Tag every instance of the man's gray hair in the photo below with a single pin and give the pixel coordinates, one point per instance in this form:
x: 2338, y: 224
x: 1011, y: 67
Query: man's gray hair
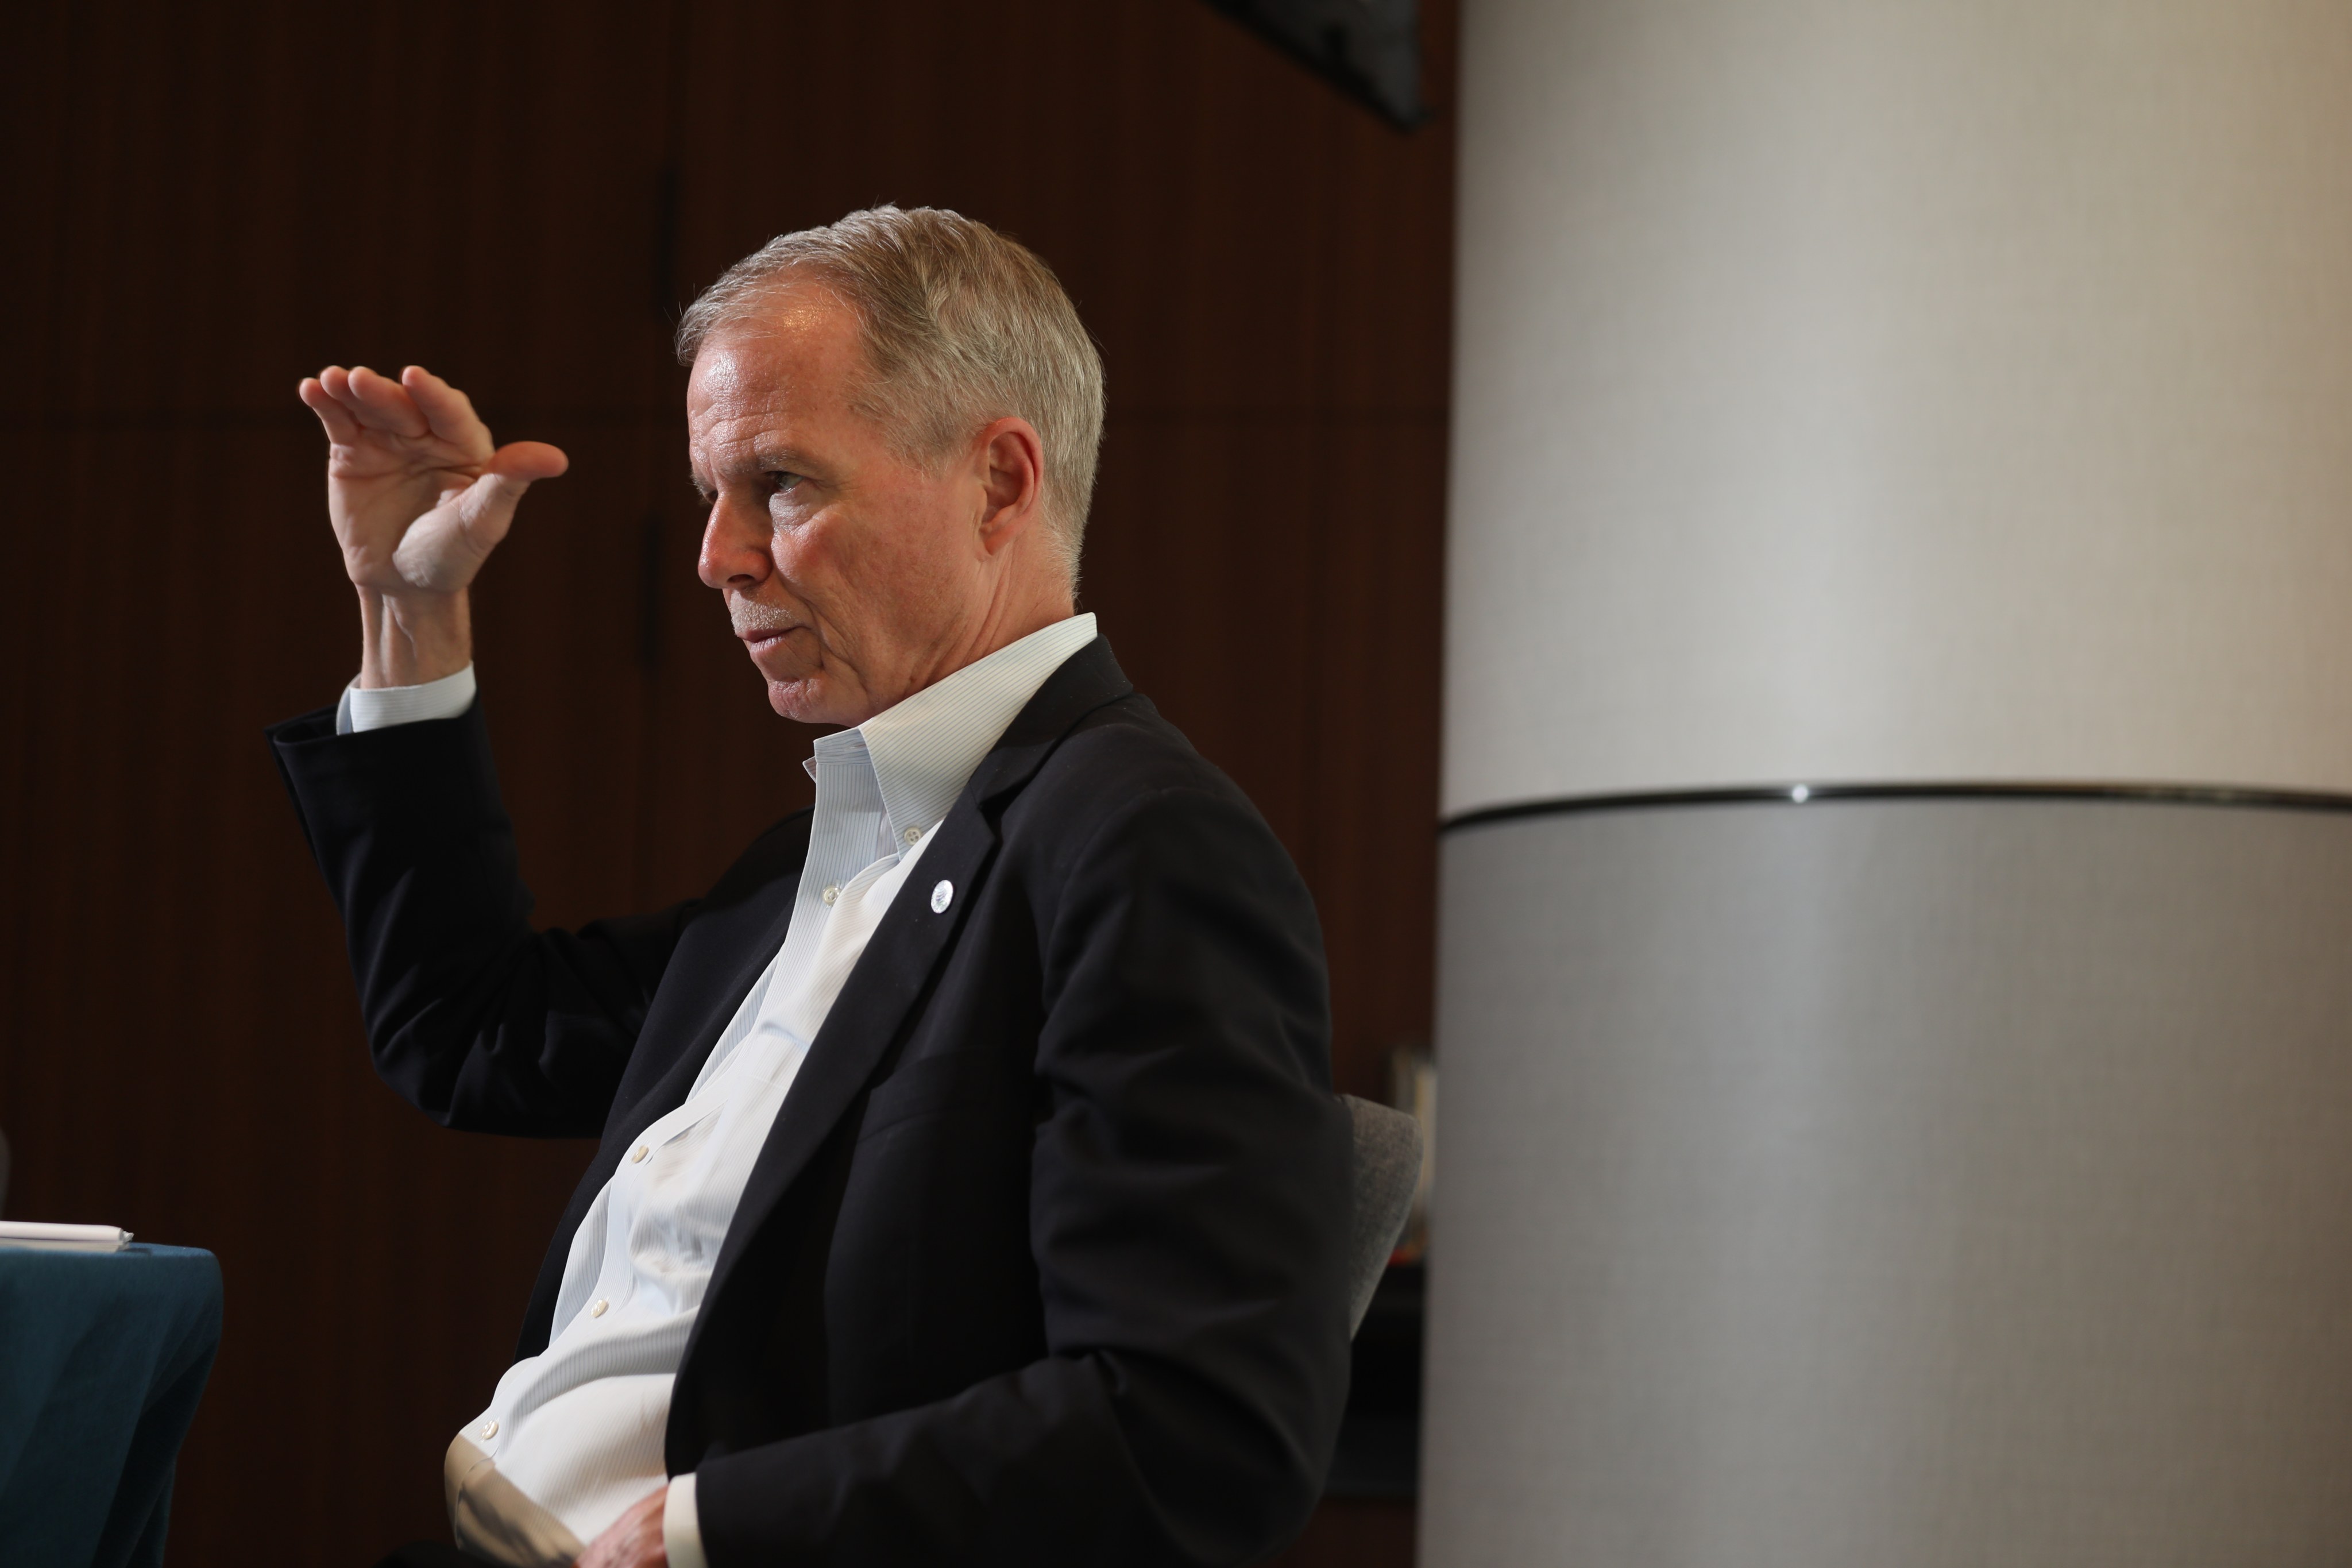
x: 962, y: 326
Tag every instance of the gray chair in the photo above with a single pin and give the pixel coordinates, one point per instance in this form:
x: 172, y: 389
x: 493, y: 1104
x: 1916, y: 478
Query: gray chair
x: 1388, y: 1168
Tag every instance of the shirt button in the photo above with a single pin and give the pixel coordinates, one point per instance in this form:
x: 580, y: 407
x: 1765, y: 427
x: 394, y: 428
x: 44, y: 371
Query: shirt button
x: 911, y: 835
x: 832, y: 892
x: 638, y: 1153
x: 598, y: 1309
x: 489, y: 1428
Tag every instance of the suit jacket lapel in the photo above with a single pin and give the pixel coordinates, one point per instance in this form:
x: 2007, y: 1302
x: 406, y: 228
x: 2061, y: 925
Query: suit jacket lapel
x: 747, y: 920
x: 896, y: 968
x: 765, y: 916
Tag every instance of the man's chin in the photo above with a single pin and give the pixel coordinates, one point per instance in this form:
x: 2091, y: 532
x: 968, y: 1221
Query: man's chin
x: 812, y: 699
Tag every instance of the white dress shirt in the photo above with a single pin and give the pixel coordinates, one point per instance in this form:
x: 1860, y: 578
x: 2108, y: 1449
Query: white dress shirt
x: 577, y: 1430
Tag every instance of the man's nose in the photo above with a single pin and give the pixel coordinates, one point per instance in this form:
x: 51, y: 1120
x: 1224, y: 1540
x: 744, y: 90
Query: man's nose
x: 734, y: 547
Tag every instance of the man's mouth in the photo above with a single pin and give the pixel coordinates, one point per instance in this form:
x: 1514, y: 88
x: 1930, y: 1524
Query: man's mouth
x: 761, y: 627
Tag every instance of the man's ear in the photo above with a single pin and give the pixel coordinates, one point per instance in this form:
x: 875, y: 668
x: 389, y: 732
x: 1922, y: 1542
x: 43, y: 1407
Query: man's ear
x: 1012, y: 464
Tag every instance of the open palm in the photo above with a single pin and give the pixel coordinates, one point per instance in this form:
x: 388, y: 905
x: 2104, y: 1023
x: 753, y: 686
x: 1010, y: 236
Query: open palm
x: 418, y: 492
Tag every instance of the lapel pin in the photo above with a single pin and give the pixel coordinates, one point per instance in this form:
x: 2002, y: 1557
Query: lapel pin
x: 941, y: 896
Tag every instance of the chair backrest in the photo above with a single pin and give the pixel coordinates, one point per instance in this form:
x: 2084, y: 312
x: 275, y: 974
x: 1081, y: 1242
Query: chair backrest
x: 1388, y: 1168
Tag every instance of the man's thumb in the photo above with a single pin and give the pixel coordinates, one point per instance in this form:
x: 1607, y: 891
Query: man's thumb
x: 529, y: 460
x: 487, y: 507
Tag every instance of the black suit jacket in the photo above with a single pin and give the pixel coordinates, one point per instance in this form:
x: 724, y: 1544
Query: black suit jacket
x: 1042, y: 1260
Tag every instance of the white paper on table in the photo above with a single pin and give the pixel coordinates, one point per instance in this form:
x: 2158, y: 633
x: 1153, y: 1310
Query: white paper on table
x: 62, y: 1238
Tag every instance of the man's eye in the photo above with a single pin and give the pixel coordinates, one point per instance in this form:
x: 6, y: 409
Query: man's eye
x: 779, y: 480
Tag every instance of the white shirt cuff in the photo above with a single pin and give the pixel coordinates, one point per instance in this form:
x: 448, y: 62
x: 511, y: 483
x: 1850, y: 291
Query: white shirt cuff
x: 682, y: 1527
x: 381, y: 707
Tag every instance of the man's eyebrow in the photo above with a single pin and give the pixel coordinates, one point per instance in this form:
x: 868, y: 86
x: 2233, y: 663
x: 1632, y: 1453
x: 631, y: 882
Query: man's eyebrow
x: 767, y: 460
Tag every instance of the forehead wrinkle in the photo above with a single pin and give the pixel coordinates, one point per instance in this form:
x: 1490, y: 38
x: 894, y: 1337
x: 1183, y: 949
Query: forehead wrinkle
x: 753, y: 387
x: 729, y: 436
x: 750, y: 456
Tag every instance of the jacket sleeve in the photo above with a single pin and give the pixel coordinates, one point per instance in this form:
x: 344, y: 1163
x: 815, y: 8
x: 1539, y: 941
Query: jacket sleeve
x: 474, y: 1017
x: 1188, y: 1209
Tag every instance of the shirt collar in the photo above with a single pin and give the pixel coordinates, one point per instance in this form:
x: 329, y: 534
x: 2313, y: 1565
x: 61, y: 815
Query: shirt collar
x: 925, y: 749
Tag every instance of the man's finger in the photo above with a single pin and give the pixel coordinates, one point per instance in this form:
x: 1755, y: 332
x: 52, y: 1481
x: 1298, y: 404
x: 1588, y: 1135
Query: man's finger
x: 382, y: 405
x: 529, y: 460
x: 448, y: 411
x: 341, y: 428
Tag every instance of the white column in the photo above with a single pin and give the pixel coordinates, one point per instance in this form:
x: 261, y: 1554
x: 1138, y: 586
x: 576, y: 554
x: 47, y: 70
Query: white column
x: 1897, y: 393
x: 1901, y: 389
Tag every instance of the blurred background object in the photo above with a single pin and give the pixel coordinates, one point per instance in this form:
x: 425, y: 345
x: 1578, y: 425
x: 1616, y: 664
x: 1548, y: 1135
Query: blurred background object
x: 1370, y: 47
x: 1379, y: 1455
x: 206, y: 206
x: 1413, y: 1088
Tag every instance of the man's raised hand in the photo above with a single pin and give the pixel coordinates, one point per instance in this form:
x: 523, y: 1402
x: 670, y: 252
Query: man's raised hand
x: 420, y: 496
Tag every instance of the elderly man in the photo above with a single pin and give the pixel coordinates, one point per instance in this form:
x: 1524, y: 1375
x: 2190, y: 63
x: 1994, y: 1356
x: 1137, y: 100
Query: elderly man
x: 970, y: 1188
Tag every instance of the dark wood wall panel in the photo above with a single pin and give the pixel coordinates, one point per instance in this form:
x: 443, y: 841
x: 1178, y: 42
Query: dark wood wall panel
x: 231, y: 203
x: 206, y: 205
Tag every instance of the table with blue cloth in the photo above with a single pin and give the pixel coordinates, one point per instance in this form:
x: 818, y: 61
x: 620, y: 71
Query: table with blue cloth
x: 103, y: 1356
